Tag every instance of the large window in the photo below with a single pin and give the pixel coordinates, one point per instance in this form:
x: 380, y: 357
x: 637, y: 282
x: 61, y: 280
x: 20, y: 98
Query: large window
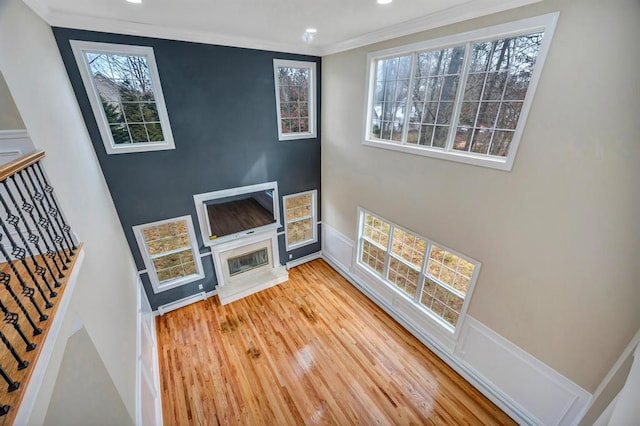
x: 300, y: 219
x: 124, y: 89
x: 295, y: 98
x: 463, y: 98
x: 170, y: 252
x: 435, y: 278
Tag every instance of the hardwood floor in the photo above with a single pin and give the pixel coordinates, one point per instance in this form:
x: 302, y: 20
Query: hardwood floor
x: 312, y: 350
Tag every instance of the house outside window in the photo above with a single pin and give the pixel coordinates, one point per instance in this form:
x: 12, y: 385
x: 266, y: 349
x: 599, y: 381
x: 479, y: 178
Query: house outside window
x: 463, y: 98
x: 295, y: 84
x: 170, y: 252
x: 300, y: 219
x: 124, y: 90
x: 434, y: 278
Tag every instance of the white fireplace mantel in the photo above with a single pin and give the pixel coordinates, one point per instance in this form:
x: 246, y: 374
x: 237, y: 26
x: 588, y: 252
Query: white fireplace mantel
x: 231, y: 288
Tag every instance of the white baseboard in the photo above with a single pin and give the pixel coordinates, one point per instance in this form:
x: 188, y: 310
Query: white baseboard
x: 163, y: 309
x: 308, y: 258
x: 525, y: 388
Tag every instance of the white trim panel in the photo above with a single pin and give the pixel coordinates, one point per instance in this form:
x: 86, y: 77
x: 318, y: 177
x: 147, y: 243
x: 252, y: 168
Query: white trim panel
x: 548, y: 396
x: 337, y: 247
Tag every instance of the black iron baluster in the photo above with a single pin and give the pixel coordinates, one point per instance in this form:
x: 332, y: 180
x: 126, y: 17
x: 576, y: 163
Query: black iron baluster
x: 44, y: 222
x: 15, y: 221
x: 4, y: 409
x: 5, y: 279
x: 22, y: 364
x: 12, y: 318
x: 48, y: 189
x: 12, y: 385
x: 47, y: 207
x: 32, y: 237
x: 26, y: 290
x: 19, y: 253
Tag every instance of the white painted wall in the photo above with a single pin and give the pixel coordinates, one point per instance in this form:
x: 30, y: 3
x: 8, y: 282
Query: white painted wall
x: 105, y: 298
x: 558, y: 236
x: 9, y: 116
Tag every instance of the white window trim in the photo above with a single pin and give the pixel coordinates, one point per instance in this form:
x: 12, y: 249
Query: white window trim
x: 146, y: 257
x: 382, y: 278
x: 79, y: 50
x: 311, y: 97
x: 546, y: 23
x: 313, y: 217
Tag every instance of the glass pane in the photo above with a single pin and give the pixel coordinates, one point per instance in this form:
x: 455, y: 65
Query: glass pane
x: 120, y: 134
x: 500, y: 143
x: 149, y: 112
x: 138, y: 133
x: 509, y: 115
x: 298, y: 231
x: 408, y: 246
x: 391, y: 91
x: 376, y: 230
x: 440, y: 136
x: 449, y: 269
x: 404, y: 277
x: 462, y: 140
x: 373, y: 256
x: 132, y: 112
x: 154, y: 130
x: 294, y: 86
x: 298, y: 206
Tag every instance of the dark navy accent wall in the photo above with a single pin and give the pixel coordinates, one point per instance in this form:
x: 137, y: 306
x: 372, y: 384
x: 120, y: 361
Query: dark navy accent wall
x: 222, y: 109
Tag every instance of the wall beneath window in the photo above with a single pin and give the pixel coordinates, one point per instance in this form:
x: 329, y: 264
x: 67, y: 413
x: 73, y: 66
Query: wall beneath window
x: 558, y: 236
x: 222, y: 108
x: 9, y: 116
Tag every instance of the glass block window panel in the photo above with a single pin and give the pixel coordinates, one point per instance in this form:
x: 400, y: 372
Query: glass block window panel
x: 462, y: 98
x: 169, y: 251
x: 295, y: 95
x: 300, y: 219
x: 433, y: 278
x: 123, y: 86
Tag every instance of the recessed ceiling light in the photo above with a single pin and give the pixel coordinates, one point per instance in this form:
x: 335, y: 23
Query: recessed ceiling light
x: 311, y: 30
x: 134, y: 1
x: 384, y: 1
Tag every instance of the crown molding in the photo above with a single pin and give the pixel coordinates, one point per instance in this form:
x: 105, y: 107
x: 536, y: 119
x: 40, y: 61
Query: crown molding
x: 462, y: 12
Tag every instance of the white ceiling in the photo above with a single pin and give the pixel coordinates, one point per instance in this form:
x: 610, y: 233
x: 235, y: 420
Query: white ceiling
x: 267, y: 24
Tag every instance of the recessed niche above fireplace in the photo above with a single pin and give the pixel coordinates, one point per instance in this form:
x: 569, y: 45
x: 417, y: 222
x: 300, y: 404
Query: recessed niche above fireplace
x: 234, y: 213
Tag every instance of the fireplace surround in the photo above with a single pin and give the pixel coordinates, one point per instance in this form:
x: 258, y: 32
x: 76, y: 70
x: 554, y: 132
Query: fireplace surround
x: 247, y: 265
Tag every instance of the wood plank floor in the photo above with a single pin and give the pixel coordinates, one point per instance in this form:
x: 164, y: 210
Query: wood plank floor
x: 312, y: 350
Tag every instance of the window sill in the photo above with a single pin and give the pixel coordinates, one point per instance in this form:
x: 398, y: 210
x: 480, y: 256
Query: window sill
x: 504, y: 164
x: 296, y: 136
x: 176, y: 283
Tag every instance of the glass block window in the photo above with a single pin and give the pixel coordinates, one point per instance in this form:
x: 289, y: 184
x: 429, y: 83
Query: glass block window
x: 300, y: 219
x: 124, y: 89
x: 295, y: 99
x: 170, y: 252
x: 434, y: 278
x: 463, y: 98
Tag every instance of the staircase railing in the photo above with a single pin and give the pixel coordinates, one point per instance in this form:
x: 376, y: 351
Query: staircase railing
x: 37, y: 253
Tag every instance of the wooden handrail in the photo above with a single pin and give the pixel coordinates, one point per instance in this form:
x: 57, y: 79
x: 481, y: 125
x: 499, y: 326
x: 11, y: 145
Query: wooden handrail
x: 14, y: 166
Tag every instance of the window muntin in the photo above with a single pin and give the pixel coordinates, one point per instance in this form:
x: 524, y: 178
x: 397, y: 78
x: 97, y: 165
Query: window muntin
x: 170, y: 252
x: 463, y: 98
x: 300, y: 219
x: 435, y: 278
x: 124, y: 89
x: 295, y: 98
